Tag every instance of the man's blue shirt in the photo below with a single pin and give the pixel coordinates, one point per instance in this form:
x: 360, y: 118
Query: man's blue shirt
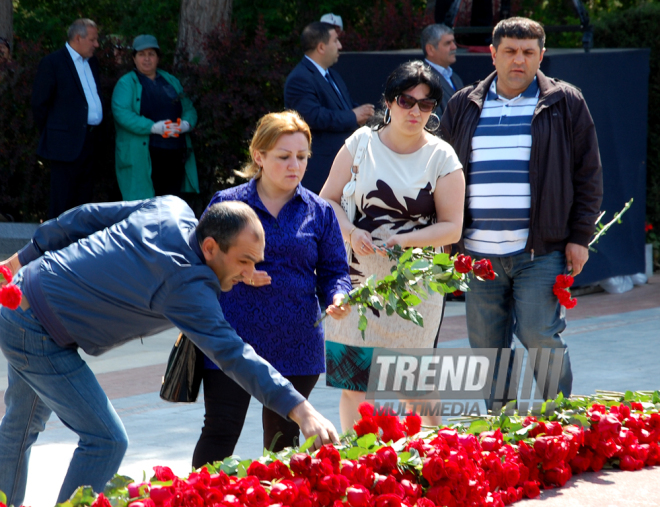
x: 104, y: 274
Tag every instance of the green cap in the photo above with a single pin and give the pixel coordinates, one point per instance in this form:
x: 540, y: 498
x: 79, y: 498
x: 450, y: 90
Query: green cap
x: 145, y: 42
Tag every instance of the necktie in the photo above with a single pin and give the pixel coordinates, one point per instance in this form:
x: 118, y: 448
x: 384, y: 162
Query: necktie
x: 336, y: 89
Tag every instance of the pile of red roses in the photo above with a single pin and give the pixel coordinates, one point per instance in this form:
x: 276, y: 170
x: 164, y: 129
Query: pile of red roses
x: 446, y: 467
x: 10, y: 295
x: 561, y: 290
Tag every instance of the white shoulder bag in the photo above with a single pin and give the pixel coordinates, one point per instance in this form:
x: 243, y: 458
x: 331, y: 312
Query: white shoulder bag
x: 348, y: 195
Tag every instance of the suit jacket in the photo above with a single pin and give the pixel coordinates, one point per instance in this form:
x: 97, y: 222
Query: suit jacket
x: 59, y: 106
x: 447, y: 90
x: 331, y: 122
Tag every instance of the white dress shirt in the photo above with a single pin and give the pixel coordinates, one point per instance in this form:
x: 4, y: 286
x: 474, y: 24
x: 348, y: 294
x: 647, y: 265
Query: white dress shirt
x: 94, y: 107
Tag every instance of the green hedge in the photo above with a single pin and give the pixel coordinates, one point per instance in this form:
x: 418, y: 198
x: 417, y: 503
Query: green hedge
x: 639, y: 27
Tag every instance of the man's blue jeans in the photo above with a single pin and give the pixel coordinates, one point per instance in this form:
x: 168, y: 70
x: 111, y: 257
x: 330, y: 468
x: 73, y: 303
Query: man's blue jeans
x: 520, y: 300
x: 45, y: 378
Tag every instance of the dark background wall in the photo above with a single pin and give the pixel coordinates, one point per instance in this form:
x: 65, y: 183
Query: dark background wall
x: 615, y: 85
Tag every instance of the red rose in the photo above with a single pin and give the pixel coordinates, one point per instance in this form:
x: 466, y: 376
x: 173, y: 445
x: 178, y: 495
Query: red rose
x: 364, y: 475
x: 160, y: 494
x: 328, y: 451
x: 463, y: 263
x: 358, y: 496
x: 648, y: 227
x: 424, y: 502
x: 101, y: 500
x: 255, y: 496
x: 484, y: 269
x: 278, y: 470
x: 284, y: 492
x: 301, y: 464
x: 457, y: 293
x: 6, y: 273
x: 609, y: 425
x: 511, y: 473
x: 433, y: 469
x: 10, y: 296
x: 388, y: 459
x: 441, y: 495
x: 387, y: 500
x: 147, y: 502
x: 259, y: 470
x: 531, y: 489
x: 163, y: 474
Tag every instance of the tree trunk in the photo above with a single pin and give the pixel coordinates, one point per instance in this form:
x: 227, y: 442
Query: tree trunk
x: 197, y: 19
x: 7, y: 21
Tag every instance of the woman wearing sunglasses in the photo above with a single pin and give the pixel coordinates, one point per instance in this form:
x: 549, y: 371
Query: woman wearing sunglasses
x: 409, y: 192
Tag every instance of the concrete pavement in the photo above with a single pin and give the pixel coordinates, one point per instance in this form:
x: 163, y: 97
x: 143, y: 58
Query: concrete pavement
x: 614, y: 342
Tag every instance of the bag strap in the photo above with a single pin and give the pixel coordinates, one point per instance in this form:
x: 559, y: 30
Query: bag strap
x: 360, y: 153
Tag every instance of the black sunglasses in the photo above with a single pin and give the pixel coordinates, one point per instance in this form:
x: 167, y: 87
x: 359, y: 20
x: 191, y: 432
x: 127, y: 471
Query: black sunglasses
x: 407, y: 102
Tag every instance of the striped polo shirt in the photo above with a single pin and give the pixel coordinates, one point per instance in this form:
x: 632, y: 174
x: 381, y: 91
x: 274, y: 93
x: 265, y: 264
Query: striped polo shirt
x: 498, y: 191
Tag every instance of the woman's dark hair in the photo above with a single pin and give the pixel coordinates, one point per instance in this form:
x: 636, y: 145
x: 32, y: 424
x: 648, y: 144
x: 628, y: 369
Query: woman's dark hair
x: 404, y: 77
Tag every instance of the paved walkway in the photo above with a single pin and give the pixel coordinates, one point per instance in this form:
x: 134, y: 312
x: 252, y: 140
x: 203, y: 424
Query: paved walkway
x: 614, y: 342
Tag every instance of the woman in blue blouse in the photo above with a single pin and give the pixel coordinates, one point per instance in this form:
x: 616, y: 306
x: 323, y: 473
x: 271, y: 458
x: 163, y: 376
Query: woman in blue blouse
x: 276, y: 310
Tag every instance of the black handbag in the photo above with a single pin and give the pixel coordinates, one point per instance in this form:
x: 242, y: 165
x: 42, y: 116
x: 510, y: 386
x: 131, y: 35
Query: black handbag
x: 183, y: 375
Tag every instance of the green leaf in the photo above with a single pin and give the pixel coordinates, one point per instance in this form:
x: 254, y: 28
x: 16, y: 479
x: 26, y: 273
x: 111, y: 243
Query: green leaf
x: 3, y: 498
x: 367, y: 441
x: 310, y: 441
x: 355, y: 452
x: 411, y: 299
x: 579, y: 420
x: 415, y: 317
x: 241, y: 470
x: 628, y: 396
x: 420, y: 264
x: 442, y: 258
x: 656, y: 397
x: 406, y: 256
x: 478, y: 426
x: 362, y: 323
x: 84, y: 495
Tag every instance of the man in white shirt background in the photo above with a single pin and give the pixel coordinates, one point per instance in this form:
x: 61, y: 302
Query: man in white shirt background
x: 439, y: 48
x: 68, y: 111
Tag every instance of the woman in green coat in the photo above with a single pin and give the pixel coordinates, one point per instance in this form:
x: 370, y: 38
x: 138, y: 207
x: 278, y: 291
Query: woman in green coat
x: 153, y: 152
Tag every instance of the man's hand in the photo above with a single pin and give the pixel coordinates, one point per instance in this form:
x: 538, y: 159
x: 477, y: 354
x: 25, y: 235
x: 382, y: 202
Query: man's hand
x: 576, y: 257
x: 313, y: 423
x: 13, y: 265
x: 363, y: 113
x: 336, y: 310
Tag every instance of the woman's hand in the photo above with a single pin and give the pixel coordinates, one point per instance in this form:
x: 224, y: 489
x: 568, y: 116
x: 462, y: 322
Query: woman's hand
x: 259, y: 279
x: 361, y: 243
x: 336, y: 310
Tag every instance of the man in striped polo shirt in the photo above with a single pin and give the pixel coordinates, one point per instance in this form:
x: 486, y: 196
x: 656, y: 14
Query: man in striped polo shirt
x: 534, y: 188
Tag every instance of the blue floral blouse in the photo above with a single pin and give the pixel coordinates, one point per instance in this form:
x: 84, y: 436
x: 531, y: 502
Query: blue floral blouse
x: 304, y: 256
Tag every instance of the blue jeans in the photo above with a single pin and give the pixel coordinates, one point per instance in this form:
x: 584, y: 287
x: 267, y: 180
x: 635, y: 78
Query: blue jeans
x: 45, y: 378
x: 520, y: 300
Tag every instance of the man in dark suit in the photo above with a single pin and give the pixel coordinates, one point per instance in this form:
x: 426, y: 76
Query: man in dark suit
x: 67, y: 110
x: 439, y: 50
x: 322, y: 99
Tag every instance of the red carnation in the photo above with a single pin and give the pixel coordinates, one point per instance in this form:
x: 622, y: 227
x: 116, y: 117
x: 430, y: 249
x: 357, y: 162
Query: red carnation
x: 10, y: 296
x: 484, y: 269
x: 564, y: 281
x: 463, y: 263
x: 413, y: 424
x: 365, y: 426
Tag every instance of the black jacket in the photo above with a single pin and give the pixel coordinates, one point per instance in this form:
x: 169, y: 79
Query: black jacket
x: 565, y: 172
x: 59, y: 106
